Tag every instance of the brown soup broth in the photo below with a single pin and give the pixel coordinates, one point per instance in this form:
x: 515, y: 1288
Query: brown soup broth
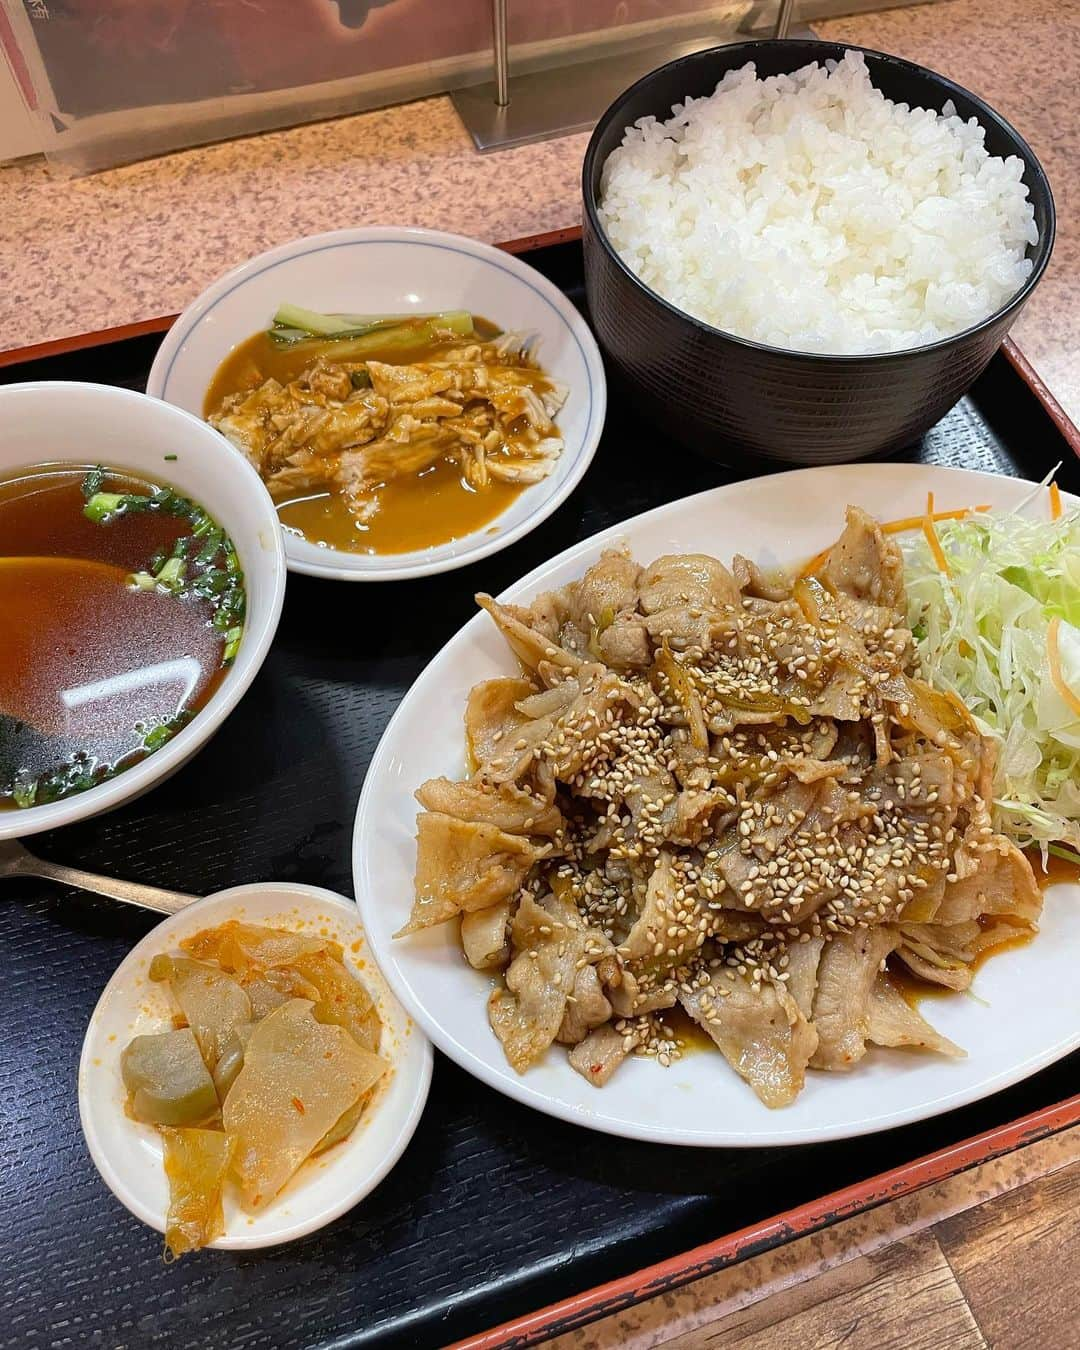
x: 415, y: 511
x: 88, y: 664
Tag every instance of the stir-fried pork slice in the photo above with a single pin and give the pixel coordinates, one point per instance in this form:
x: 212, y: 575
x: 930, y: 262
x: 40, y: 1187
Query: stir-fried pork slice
x: 947, y: 953
x: 882, y: 630
x: 692, y: 579
x: 673, y: 924
x: 492, y: 719
x: 729, y: 925
x: 849, y: 966
x: 553, y: 702
x: 462, y: 865
x: 865, y: 563
x: 699, y: 813
x: 513, y: 811
x: 681, y: 627
x: 632, y: 997
x: 1003, y: 885
x: 891, y: 1021
x: 595, y: 618
x: 845, y: 696
x: 991, y: 896
x: 752, y: 581
x: 485, y: 936
x: 609, y: 587
x: 624, y: 644
x: 587, y: 1008
x: 585, y: 731
x: 548, y: 615
x: 601, y: 1052
x: 922, y: 783
x: 783, y: 814
x: 681, y: 697
x: 802, y: 970
x: 760, y: 1031
x: 566, y: 731
x: 793, y: 868
x: 832, y: 809
x: 944, y: 721
x: 529, y: 646
x: 527, y: 1014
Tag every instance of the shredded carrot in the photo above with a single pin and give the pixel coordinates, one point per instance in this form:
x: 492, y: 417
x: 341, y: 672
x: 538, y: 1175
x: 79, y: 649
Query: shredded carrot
x: 815, y: 564
x: 915, y: 522
x: 936, y: 551
x: 1054, y: 653
x: 1055, y: 502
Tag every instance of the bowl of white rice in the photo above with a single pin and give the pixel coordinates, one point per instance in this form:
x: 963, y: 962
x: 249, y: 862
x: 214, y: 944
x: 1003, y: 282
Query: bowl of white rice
x: 806, y: 251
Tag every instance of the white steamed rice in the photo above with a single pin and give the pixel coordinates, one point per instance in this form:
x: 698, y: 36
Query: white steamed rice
x: 810, y: 212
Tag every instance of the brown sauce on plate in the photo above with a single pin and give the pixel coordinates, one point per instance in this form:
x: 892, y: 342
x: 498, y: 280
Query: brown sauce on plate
x: 916, y: 991
x: 693, y: 1038
x: 416, y: 511
x: 1057, y: 870
x: 432, y: 507
x: 89, y: 665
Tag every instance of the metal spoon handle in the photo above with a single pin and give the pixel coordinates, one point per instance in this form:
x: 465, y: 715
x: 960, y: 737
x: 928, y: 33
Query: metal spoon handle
x: 130, y: 892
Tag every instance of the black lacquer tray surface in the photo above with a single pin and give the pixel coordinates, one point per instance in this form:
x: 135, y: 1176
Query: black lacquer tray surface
x: 493, y: 1210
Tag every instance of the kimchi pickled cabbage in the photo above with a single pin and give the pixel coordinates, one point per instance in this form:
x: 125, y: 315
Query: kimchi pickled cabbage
x: 243, y: 947
x: 299, y: 1078
x: 272, y: 1054
x: 213, y: 1002
x: 167, y: 1080
x: 196, y: 1164
x: 341, y: 999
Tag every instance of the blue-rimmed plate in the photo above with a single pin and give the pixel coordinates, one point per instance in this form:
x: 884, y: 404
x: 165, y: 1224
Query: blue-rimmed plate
x: 399, y: 271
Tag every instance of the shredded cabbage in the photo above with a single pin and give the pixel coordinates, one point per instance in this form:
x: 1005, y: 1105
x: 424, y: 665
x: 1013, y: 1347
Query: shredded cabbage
x: 982, y: 633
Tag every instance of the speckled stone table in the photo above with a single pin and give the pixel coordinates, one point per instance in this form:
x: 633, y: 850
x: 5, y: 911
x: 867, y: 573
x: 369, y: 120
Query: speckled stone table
x: 138, y: 242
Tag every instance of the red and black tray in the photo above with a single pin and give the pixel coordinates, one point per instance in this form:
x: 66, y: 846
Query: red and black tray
x: 494, y: 1210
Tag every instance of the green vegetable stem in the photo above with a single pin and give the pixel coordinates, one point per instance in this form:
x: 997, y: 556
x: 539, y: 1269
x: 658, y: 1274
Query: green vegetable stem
x: 203, y: 563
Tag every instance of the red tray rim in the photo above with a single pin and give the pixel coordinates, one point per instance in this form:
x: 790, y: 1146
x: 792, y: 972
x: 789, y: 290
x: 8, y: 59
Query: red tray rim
x: 602, y: 1300
x: 665, y: 1276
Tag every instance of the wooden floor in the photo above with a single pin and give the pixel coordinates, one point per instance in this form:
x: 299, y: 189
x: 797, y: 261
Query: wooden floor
x: 988, y: 1260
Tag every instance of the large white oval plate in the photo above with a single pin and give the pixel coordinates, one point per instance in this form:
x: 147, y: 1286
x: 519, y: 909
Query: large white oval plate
x: 1026, y: 1015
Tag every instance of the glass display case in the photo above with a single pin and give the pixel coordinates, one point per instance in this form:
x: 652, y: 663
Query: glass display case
x: 108, y: 81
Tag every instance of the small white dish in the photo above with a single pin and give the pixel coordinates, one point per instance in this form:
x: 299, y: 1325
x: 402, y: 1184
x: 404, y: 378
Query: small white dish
x: 58, y: 420
x: 392, y: 270
x: 1026, y: 1015
x: 128, y: 1154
